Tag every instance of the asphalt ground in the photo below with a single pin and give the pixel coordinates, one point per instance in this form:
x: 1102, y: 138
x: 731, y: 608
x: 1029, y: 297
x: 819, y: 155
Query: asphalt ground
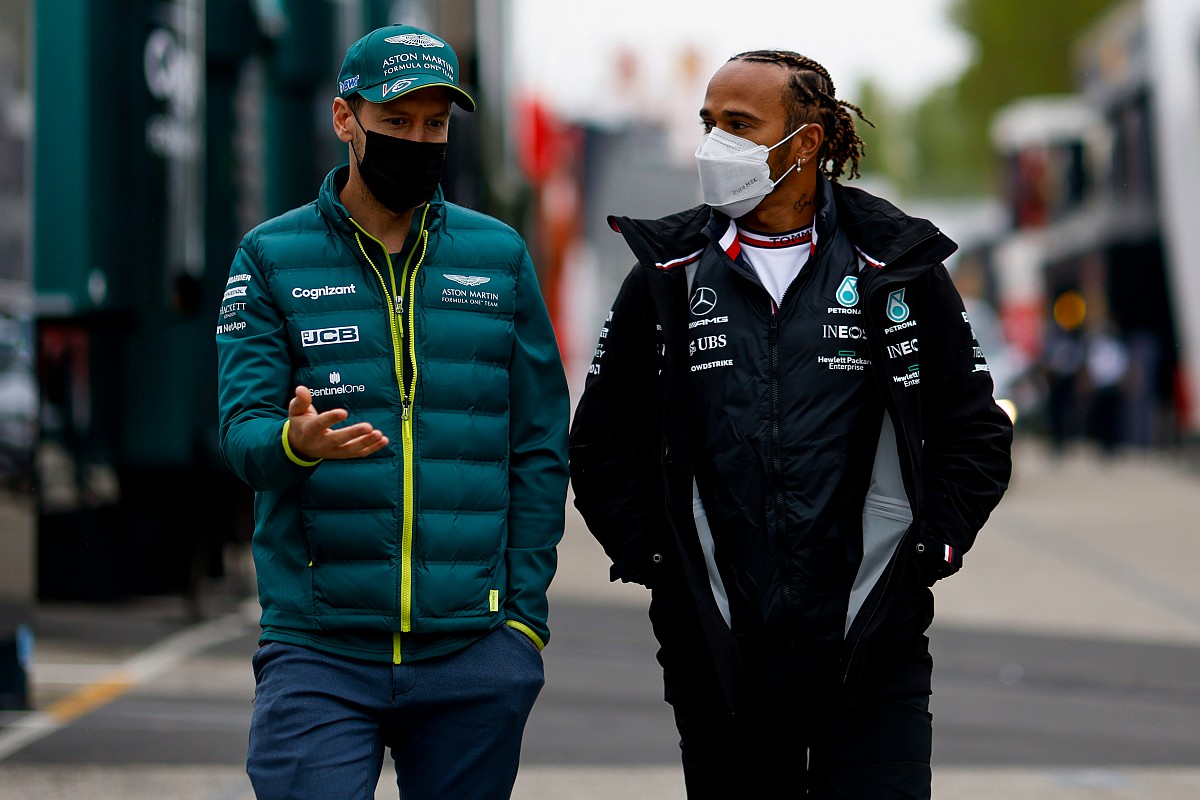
x: 1067, y: 666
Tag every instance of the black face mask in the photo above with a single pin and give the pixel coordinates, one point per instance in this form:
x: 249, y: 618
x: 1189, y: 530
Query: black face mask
x: 401, y: 174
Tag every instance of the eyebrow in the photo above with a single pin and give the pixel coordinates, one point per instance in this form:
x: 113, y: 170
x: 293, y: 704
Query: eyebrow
x: 731, y: 113
x: 407, y: 113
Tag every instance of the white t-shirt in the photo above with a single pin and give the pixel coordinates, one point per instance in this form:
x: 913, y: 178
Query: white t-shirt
x: 777, y: 258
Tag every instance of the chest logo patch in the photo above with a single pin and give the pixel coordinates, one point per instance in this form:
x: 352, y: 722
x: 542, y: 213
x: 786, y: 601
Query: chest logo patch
x: 847, y: 293
x: 897, y: 310
x: 317, y: 337
x: 467, y: 280
x: 703, y: 301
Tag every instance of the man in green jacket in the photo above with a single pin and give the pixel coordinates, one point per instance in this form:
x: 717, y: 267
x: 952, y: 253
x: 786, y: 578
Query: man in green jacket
x: 391, y: 388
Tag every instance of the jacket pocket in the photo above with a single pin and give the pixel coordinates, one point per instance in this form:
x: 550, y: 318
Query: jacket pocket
x: 885, y: 520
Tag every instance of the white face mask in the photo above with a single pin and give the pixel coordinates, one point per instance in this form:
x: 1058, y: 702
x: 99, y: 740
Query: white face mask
x: 734, y: 174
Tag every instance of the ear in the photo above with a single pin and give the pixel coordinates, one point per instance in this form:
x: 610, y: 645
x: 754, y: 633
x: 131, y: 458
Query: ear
x: 808, y: 143
x: 343, y: 120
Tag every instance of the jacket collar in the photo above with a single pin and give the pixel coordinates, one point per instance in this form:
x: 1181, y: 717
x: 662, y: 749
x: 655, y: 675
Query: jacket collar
x: 882, y: 233
x: 669, y: 242
x: 330, y: 204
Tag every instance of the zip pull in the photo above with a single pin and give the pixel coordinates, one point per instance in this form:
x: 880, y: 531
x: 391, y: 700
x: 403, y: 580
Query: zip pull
x: 404, y: 414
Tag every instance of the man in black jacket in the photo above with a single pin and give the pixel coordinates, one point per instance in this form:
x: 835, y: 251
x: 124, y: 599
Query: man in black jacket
x: 788, y: 434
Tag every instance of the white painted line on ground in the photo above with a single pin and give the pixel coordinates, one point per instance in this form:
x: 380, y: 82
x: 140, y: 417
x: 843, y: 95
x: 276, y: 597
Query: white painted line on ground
x: 568, y: 782
x: 43, y: 673
x: 141, y: 668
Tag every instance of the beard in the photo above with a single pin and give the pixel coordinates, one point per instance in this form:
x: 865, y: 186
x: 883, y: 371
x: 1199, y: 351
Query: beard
x: 778, y: 162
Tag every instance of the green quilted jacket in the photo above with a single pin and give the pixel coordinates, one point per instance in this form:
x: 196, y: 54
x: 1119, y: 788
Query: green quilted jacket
x: 448, y: 531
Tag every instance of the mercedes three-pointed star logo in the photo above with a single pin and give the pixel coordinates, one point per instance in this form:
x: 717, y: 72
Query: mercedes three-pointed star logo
x: 704, y: 300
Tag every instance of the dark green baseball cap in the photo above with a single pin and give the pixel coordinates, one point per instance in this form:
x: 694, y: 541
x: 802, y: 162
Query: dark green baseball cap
x: 391, y: 62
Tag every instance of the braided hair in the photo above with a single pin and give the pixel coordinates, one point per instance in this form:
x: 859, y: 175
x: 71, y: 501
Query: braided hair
x: 811, y: 99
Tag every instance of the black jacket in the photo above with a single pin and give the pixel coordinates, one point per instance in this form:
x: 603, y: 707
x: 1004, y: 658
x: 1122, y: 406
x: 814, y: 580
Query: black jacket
x: 634, y: 448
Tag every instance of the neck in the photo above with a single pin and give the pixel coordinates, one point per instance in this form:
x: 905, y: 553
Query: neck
x: 390, y: 229
x: 792, y: 205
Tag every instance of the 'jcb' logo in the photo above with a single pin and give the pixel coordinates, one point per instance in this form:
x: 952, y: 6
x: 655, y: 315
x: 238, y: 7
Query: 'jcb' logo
x: 320, y: 336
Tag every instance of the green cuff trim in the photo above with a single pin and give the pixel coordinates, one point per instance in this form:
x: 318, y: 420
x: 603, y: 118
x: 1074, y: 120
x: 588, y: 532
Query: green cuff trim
x: 528, y: 631
x: 287, y: 448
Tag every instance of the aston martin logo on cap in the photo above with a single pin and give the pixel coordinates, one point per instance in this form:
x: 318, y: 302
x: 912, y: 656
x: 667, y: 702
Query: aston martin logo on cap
x: 415, y: 40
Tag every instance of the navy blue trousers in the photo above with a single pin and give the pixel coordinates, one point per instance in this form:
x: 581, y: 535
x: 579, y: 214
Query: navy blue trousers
x: 453, y: 724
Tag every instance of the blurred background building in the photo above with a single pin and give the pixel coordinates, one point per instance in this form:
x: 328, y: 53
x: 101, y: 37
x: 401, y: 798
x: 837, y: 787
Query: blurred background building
x: 1095, y: 274
x: 139, y: 139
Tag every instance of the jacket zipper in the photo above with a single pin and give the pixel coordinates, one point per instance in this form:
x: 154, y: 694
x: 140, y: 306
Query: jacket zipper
x: 776, y: 465
x: 798, y: 283
x: 407, y: 432
x: 775, y: 453
x: 406, y: 298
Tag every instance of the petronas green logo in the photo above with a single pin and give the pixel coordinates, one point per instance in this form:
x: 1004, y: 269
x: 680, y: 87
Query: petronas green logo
x: 897, y: 311
x: 847, y: 293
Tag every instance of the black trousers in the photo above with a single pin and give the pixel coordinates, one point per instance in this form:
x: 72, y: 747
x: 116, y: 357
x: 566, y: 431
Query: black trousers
x: 796, y: 735
x: 878, y: 751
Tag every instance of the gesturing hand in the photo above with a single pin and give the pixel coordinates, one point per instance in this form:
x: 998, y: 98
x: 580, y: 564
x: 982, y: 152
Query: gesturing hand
x: 312, y: 436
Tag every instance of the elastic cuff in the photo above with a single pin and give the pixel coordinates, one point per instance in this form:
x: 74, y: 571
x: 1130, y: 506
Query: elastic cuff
x: 936, y: 558
x: 287, y: 448
x: 528, y: 631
